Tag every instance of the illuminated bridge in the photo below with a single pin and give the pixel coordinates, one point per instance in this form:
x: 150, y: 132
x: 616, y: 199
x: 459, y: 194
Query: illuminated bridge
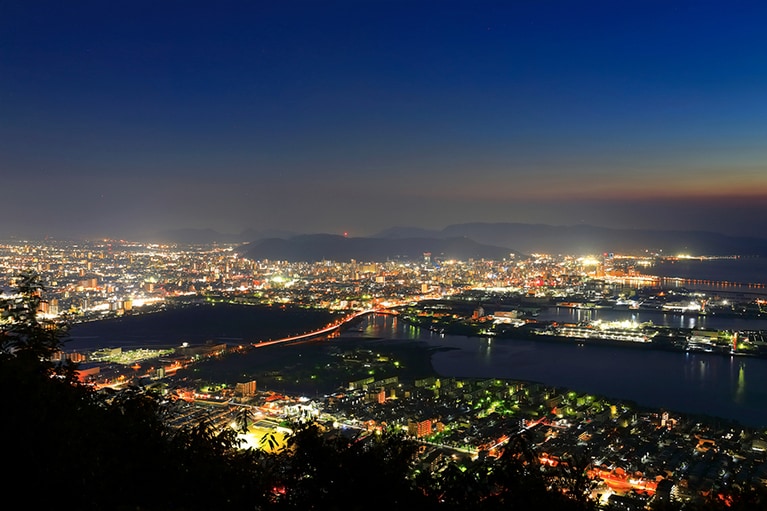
x: 330, y: 328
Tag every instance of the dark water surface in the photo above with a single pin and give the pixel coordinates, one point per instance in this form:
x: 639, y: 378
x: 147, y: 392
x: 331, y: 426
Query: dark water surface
x: 731, y: 387
x: 222, y: 323
x: 744, y: 270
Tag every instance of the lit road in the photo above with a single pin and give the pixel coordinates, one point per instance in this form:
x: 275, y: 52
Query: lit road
x: 322, y: 331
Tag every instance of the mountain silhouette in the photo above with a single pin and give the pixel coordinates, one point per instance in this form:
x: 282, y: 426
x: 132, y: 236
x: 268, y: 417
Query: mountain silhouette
x: 588, y: 239
x: 319, y: 247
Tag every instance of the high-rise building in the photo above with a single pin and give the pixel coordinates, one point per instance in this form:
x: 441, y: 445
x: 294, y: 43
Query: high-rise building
x: 247, y: 389
x: 420, y: 429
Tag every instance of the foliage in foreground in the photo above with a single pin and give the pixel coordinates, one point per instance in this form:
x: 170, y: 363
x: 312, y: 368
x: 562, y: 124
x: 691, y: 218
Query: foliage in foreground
x: 113, y: 450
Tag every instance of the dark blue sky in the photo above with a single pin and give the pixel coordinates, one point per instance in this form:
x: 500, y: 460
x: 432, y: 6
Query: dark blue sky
x: 124, y: 118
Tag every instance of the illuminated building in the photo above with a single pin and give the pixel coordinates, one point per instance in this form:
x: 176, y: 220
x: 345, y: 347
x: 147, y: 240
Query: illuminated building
x: 419, y: 429
x: 247, y: 389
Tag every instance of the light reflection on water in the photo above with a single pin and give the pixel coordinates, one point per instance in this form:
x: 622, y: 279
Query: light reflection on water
x: 732, y: 387
x: 741, y: 387
x: 571, y: 315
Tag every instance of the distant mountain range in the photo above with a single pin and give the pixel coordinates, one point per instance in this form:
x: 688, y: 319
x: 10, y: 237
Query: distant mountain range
x: 472, y: 240
x: 320, y: 247
x: 588, y: 239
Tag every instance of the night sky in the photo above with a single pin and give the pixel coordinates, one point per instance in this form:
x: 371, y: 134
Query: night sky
x: 124, y: 118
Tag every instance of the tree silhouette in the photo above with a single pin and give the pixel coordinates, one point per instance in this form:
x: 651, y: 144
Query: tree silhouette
x: 243, y: 419
x: 107, y: 449
x: 24, y: 335
x: 337, y: 470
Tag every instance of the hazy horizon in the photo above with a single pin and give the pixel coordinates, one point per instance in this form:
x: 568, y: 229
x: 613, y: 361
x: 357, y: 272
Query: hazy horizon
x: 206, y: 235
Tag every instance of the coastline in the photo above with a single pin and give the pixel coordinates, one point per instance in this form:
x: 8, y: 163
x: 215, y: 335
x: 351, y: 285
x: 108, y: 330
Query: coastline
x: 672, y: 342
x: 418, y: 349
x: 425, y: 352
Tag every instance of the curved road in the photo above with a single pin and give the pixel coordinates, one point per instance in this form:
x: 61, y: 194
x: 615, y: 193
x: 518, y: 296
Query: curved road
x: 322, y: 331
